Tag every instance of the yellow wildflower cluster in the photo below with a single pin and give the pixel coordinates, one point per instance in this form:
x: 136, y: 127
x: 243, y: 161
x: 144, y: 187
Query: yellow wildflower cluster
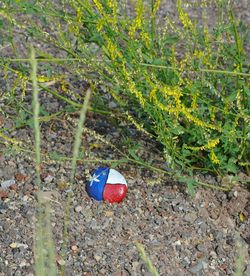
x: 43, y: 78
x: 212, y: 110
x: 214, y: 158
x: 145, y: 38
x: 131, y: 85
x: 194, y: 104
x: 206, y: 33
x: 74, y: 27
x: 99, y: 6
x: 110, y: 19
x: 137, y: 24
x: 184, y: 64
x: 156, y: 7
x: 210, y: 145
x: 140, y: 127
x: 176, y: 107
x: 185, y: 20
x: 112, y: 48
x: 196, y: 120
x: 198, y: 54
x: 114, y: 6
x: 239, y: 99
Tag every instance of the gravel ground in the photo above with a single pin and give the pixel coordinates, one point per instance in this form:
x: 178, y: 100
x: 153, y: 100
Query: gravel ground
x: 182, y: 235
x: 203, y: 235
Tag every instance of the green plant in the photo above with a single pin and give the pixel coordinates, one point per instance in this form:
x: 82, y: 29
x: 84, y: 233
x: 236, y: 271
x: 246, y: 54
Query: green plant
x: 184, y: 84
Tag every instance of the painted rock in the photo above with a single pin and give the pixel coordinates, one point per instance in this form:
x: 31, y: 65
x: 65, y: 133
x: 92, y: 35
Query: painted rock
x: 107, y: 184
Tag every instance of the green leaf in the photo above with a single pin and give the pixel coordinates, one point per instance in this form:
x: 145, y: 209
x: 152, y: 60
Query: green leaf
x: 231, y: 166
x: 191, y: 187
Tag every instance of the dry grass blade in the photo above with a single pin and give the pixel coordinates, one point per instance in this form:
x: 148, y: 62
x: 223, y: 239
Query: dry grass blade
x: 146, y: 259
x: 43, y: 240
x: 76, y: 148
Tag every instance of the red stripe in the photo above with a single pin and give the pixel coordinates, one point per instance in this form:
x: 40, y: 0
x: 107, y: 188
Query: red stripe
x: 114, y: 192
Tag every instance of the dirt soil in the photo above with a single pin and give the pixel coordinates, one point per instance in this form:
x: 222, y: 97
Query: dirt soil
x: 183, y: 235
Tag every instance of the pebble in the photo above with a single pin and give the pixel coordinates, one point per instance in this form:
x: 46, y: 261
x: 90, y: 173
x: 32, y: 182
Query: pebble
x: 247, y: 270
x: 23, y: 263
x: 213, y: 254
x: 7, y: 172
x: 17, y: 245
x: 201, y: 247
x: 93, y: 225
x: 6, y: 184
x: 204, y: 227
x: 48, y: 179
x: 198, y: 267
x: 78, y: 209
x: 97, y: 257
x: 61, y: 262
x: 190, y: 217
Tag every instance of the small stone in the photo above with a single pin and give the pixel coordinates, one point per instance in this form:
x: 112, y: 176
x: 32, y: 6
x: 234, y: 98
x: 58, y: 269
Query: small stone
x: 13, y: 187
x: 62, y: 185
x: 48, y: 179
x: 135, y: 265
x: 20, y: 177
x: 121, y: 272
x: 93, y: 225
x: 213, y: 254
x: 60, y: 261
x: 18, y: 245
x: 199, y: 221
x: 201, y: 247
x: 6, y: 184
x: 186, y: 260
x: 197, y: 267
x: 78, y: 209
x: 74, y: 248
x: 109, y: 214
x: 112, y: 105
x: 247, y: 270
x: 97, y: 257
x: 25, y: 198
x: 3, y: 194
x: 190, y: 217
x: 178, y: 245
x: 204, y: 227
x: 98, y: 188
x: 23, y: 263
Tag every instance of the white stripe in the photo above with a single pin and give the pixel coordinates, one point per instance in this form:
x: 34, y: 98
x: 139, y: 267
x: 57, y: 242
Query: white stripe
x: 115, y: 178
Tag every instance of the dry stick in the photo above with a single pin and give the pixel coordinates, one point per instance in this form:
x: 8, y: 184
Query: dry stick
x: 76, y: 147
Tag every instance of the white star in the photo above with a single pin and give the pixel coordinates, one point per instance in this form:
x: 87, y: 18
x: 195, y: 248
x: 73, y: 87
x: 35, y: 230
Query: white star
x: 94, y: 179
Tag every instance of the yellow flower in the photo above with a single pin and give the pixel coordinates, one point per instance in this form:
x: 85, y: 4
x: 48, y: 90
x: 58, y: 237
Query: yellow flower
x: 185, y: 20
x: 137, y: 24
x: 98, y: 6
x: 145, y: 38
x: 156, y: 7
x: 210, y: 145
x: 214, y: 158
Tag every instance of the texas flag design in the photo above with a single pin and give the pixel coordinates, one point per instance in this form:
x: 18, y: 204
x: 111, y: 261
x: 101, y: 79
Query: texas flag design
x: 107, y: 184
